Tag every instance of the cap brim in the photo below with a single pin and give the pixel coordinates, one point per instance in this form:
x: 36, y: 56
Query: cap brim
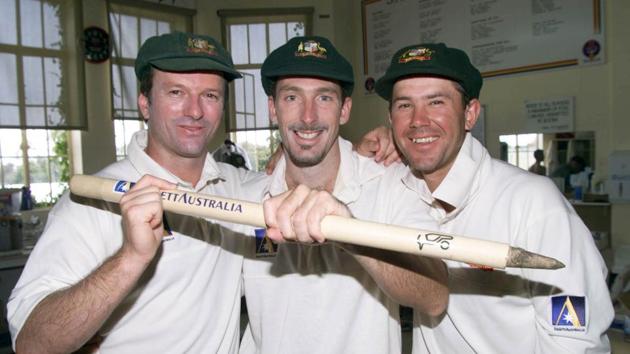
x: 188, y: 64
x: 385, y: 85
x: 347, y: 83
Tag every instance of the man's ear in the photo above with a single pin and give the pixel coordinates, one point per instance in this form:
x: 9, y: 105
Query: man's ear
x: 472, y: 113
x: 272, y: 110
x: 346, y: 107
x: 143, y: 105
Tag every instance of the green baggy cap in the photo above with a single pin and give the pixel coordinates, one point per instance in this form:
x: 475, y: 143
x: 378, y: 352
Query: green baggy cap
x: 184, y: 52
x: 307, y: 56
x: 431, y: 60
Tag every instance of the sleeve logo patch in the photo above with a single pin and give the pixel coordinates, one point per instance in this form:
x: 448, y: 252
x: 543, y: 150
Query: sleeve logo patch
x: 568, y: 313
x: 264, y: 246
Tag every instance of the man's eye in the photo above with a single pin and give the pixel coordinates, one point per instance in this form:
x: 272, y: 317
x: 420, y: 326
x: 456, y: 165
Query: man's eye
x: 403, y: 106
x: 175, y: 92
x: 436, y: 102
x: 290, y: 98
x: 325, y: 98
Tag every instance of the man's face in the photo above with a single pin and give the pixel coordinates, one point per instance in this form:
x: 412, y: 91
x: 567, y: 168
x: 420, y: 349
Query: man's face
x: 308, y: 112
x: 184, y: 111
x: 429, y: 122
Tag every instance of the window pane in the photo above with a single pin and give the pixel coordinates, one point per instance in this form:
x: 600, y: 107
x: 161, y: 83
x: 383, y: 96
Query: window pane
x: 35, y: 116
x: 148, y: 28
x: 33, y: 83
x: 8, y: 92
x: 9, y: 115
x: 114, y: 20
x: 31, y: 23
x: 55, y: 169
x: 119, y: 137
x: 38, y: 143
x: 38, y: 169
x: 164, y: 27
x: 52, y: 25
x: 295, y: 29
x: 238, y: 44
x: 10, y: 142
x: 129, y: 90
x: 277, y: 35
x: 52, y: 68
x: 240, y: 121
x: 257, y: 43
x: 8, y: 26
x: 239, y: 93
x: 116, y: 87
x: 13, y: 171
x: 55, y: 119
x: 249, y: 90
x: 129, y: 30
x: 260, y: 108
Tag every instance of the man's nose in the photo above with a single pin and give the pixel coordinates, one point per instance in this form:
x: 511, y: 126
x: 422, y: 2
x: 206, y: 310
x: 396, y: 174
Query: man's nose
x: 309, y: 113
x: 193, y: 108
x: 420, y: 117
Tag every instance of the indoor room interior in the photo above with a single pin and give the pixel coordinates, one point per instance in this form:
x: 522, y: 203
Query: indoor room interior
x: 556, y: 81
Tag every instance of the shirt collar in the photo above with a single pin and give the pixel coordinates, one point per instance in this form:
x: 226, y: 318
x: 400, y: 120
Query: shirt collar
x: 354, y: 171
x: 462, y: 180
x: 144, y: 164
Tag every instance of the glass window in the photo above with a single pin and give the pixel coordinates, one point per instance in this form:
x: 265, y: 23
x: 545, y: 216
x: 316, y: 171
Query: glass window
x: 36, y: 84
x: 518, y: 149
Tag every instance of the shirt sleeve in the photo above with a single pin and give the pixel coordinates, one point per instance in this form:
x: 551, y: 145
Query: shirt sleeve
x: 75, y: 241
x: 572, y: 305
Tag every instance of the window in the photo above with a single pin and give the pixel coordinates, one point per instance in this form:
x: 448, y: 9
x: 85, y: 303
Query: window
x: 250, y: 36
x: 519, y: 149
x: 41, y: 94
x: 130, y: 27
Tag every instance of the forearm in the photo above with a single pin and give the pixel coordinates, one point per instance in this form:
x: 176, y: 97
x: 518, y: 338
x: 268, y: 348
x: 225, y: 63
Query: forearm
x: 412, y: 281
x: 66, y: 319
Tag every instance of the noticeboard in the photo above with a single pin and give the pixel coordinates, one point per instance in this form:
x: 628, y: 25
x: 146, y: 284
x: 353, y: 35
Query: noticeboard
x: 500, y: 36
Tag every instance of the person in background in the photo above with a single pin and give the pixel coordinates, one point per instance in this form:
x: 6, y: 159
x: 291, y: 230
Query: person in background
x: 315, y: 296
x: 232, y: 154
x: 538, y: 167
x: 433, y: 94
x: 570, y: 172
x: 120, y: 279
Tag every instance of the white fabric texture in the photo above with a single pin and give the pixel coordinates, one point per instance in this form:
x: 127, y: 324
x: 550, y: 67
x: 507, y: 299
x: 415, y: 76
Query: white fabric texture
x: 318, y: 299
x: 187, y: 301
x: 510, y: 311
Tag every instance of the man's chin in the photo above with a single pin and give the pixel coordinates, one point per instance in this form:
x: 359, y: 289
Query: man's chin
x: 305, y: 161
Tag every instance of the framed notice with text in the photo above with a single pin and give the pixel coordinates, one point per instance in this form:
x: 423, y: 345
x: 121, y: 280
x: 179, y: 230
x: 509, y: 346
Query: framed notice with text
x: 500, y: 36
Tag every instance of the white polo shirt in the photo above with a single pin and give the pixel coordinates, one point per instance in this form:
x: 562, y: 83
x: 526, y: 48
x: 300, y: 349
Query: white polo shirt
x: 189, y: 298
x: 514, y: 310
x: 317, y: 298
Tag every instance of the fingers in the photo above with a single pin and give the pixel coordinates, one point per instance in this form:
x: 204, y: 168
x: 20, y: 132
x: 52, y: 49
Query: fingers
x: 142, y: 212
x: 379, y: 144
x: 367, y: 147
x: 297, y: 215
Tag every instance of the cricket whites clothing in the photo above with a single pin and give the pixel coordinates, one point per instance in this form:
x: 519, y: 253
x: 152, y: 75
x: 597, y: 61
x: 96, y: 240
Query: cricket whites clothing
x: 317, y: 298
x: 188, y: 300
x: 514, y: 310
